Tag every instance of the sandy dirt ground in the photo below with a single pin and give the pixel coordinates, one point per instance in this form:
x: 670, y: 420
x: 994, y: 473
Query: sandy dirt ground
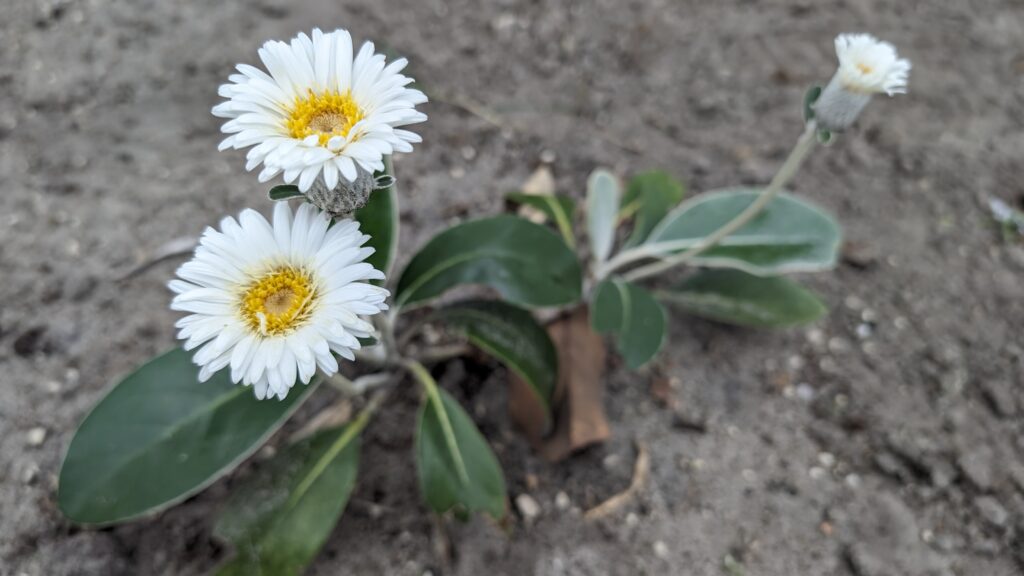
x: 886, y: 440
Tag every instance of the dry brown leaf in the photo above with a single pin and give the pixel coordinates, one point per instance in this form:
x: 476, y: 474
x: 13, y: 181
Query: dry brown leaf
x: 578, y: 402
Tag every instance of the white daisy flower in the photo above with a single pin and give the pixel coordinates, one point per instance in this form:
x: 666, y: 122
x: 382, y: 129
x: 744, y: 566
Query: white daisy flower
x: 275, y: 302
x: 867, y: 66
x: 319, y: 111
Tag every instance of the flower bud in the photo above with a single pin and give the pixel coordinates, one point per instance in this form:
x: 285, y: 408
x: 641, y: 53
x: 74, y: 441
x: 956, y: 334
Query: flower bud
x: 346, y: 197
x: 867, y: 67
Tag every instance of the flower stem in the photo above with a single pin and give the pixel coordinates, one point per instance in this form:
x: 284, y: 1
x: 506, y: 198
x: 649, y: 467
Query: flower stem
x: 434, y: 397
x: 789, y: 168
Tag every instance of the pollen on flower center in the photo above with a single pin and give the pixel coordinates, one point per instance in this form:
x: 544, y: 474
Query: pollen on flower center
x: 864, y: 68
x: 279, y: 301
x: 326, y: 114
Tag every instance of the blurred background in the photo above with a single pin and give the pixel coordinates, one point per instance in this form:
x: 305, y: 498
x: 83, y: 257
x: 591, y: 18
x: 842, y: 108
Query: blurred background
x: 886, y: 439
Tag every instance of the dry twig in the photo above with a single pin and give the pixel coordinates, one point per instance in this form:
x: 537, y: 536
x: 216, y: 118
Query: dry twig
x: 641, y: 470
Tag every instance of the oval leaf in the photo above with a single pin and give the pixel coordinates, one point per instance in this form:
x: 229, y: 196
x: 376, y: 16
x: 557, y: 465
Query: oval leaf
x: 602, y: 212
x: 511, y: 335
x: 635, y: 318
x: 160, y: 436
x: 279, y: 518
x: 789, y: 235
x: 735, y: 297
x: 557, y: 208
x: 379, y: 220
x: 457, y: 469
x: 527, y: 263
x: 284, y: 192
x: 649, y: 196
x: 810, y: 97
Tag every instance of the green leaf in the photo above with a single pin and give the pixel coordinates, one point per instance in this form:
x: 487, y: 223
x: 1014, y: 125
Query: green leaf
x: 650, y: 196
x: 160, y: 436
x: 511, y: 335
x: 279, y: 518
x: 526, y: 262
x: 735, y: 297
x: 810, y: 97
x: 383, y: 180
x: 379, y: 219
x: 602, y: 212
x: 457, y: 469
x: 558, y: 209
x: 789, y: 235
x: 635, y: 318
x: 284, y: 192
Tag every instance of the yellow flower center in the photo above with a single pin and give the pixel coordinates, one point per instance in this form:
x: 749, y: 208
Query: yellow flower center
x: 326, y: 114
x: 864, y: 68
x: 279, y: 301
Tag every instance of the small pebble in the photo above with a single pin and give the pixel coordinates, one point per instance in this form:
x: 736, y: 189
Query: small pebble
x: 992, y: 510
x: 864, y: 331
x: 562, y: 501
x: 528, y: 507
x: 838, y: 345
x: 611, y: 461
x: 826, y: 459
x: 749, y: 475
x: 53, y: 386
x: 457, y: 172
x: 632, y: 520
x: 853, y: 302
x: 661, y: 550
x: 805, y: 392
x: 29, y: 474
x: 816, y: 337
x: 816, y: 473
x: 548, y: 156
x: 36, y: 436
x: 468, y: 152
x: 852, y: 481
x: 828, y: 365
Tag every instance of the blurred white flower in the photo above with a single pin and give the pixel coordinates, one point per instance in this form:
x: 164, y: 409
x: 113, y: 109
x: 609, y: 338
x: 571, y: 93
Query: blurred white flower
x: 867, y: 66
x: 274, y: 302
x: 319, y: 111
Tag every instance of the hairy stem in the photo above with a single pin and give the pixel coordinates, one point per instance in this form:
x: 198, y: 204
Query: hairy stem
x: 789, y: 168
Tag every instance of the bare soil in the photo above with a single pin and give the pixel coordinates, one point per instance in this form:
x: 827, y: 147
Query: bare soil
x: 886, y: 440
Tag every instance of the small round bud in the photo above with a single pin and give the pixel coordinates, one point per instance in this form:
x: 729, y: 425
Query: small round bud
x: 345, y: 198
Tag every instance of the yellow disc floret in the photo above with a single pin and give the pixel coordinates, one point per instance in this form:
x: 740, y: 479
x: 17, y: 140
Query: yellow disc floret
x: 279, y: 301
x: 326, y: 114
